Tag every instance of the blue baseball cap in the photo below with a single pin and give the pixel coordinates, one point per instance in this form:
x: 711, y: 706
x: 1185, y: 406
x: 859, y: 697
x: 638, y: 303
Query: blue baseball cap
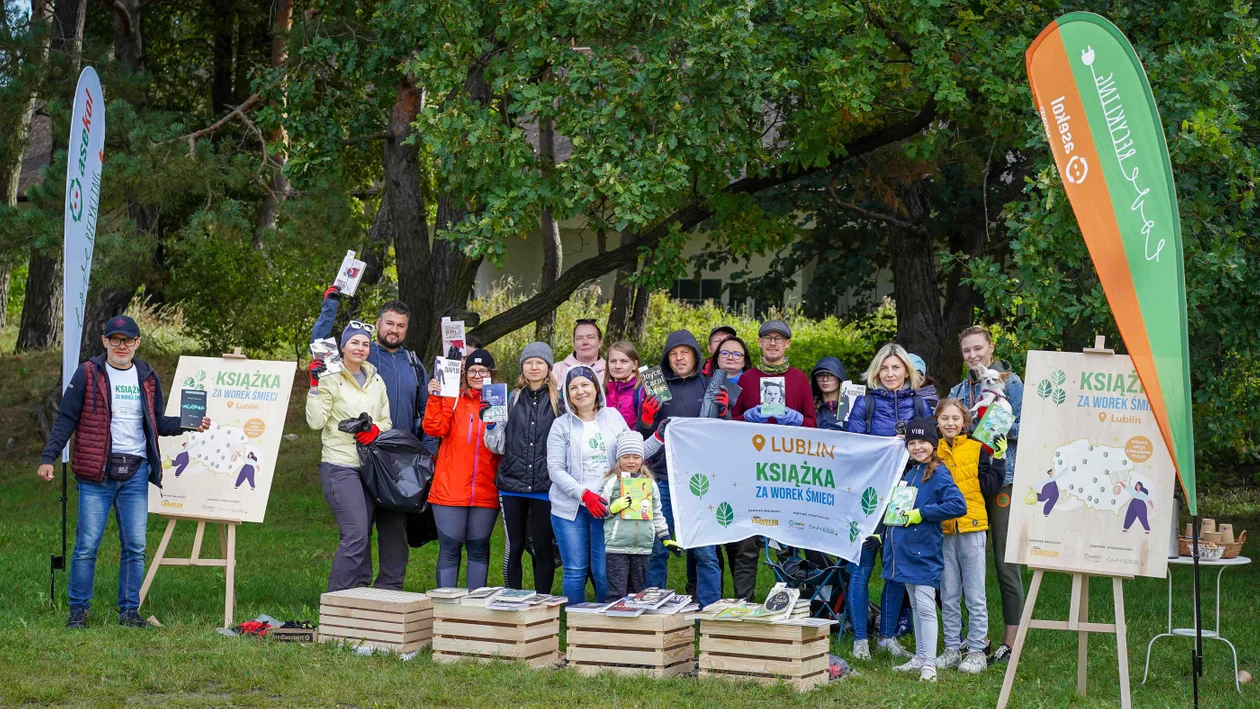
x: 121, y: 325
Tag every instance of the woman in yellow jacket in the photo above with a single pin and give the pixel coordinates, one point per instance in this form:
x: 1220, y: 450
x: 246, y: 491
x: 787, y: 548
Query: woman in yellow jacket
x: 334, y: 398
x: 976, y: 474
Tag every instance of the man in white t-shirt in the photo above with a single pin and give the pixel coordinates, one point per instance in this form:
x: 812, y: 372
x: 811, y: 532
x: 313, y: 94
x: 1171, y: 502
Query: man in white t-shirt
x: 113, y: 406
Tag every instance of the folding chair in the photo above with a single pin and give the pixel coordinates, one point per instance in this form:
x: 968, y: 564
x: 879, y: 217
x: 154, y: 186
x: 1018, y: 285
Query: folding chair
x: 820, y: 578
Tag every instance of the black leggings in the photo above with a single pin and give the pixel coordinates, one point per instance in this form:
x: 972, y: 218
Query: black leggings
x: 459, y: 527
x: 524, y: 517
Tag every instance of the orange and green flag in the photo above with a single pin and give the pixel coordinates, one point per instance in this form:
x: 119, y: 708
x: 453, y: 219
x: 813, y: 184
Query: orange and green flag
x: 1108, y: 143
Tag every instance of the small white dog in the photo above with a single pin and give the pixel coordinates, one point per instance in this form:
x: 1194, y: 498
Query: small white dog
x: 992, y: 392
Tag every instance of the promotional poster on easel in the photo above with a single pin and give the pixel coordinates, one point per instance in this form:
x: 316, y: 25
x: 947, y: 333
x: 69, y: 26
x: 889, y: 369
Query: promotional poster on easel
x: 1094, y: 482
x: 225, y: 472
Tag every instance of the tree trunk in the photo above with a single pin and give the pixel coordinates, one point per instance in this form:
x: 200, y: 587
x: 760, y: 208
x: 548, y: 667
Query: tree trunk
x: 638, y: 319
x: 379, y: 237
x: 545, y: 328
x: 6, y: 273
x: 920, y: 328
x: 41, y: 310
x: 619, y: 312
x: 221, y: 59
x: 960, y: 303
x: 269, y: 210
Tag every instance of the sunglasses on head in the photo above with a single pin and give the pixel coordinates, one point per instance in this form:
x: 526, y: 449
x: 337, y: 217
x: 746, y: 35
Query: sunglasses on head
x: 360, y: 325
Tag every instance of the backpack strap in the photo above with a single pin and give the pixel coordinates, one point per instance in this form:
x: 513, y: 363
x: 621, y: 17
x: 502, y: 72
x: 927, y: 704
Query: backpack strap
x: 920, y: 406
x: 870, y: 412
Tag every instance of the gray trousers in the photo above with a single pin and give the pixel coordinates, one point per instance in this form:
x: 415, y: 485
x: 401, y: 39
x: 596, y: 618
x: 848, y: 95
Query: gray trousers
x: 355, y: 511
x: 963, y: 578
x: 626, y: 574
x: 1010, y: 582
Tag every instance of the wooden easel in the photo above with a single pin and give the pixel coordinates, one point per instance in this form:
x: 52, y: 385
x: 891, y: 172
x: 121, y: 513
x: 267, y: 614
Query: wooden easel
x: 227, y: 546
x: 1078, y: 615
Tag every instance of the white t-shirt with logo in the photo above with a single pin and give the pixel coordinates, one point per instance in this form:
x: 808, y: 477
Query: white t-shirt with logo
x: 594, y: 454
x: 127, y: 427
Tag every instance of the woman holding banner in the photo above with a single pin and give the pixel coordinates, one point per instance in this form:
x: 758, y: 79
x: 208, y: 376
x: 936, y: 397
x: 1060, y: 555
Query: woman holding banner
x: 464, y: 497
x: 977, y: 353
x: 355, y: 390
x: 891, y: 400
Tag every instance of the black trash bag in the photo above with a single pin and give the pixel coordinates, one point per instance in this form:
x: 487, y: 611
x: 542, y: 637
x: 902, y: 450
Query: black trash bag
x: 421, y: 529
x: 395, y: 468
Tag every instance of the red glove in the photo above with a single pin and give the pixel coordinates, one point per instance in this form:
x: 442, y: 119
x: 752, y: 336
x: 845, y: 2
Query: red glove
x: 596, y: 505
x: 366, y: 437
x: 723, y: 400
x: 315, y: 368
x: 650, y: 408
x: 332, y: 292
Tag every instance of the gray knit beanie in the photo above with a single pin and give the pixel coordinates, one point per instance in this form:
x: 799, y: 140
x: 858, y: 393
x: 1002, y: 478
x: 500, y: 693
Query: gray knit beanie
x: 629, y: 443
x: 541, y: 350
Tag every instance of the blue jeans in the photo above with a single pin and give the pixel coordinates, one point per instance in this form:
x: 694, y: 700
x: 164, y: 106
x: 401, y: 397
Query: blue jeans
x: 860, y: 593
x: 708, y: 573
x: 130, y: 502
x: 581, y: 542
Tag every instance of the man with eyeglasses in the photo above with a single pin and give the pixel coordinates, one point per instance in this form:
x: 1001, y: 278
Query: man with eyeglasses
x: 774, y: 338
x: 113, y: 406
x: 716, y: 336
x: 588, y: 340
x: 406, y: 387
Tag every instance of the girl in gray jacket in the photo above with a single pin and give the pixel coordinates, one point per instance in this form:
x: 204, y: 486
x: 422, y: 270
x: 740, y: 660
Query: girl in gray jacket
x: 635, y: 520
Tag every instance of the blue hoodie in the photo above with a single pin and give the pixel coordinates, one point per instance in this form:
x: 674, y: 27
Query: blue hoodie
x: 912, y: 554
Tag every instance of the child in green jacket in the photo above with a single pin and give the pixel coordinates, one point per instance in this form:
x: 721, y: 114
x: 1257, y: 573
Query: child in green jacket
x: 634, y: 519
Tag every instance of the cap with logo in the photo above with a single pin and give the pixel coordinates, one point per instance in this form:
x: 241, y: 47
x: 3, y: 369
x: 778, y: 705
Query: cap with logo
x: 121, y: 325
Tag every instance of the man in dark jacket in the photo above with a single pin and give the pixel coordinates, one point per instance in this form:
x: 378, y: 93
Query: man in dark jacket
x: 681, y: 367
x: 406, y: 387
x: 113, y: 406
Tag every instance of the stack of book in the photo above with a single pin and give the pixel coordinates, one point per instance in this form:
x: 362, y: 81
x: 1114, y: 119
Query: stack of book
x: 513, y: 600
x: 447, y: 595
x: 480, y: 596
x: 782, y: 605
x: 647, y: 600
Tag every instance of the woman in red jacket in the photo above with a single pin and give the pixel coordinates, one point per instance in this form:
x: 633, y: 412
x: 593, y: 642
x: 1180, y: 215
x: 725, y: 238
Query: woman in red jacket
x: 463, y: 495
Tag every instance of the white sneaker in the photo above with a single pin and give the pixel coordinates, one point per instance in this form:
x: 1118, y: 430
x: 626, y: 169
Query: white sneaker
x: 949, y: 659
x: 974, y: 663
x: 915, y: 664
x: 861, y: 650
x: 892, y: 647
x: 928, y: 673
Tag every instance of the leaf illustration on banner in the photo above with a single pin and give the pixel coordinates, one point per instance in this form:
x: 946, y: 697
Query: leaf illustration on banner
x: 725, y: 515
x: 1059, y: 396
x: 1044, y: 388
x: 699, y: 485
x: 853, y: 528
x: 1058, y: 377
x: 870, y: 500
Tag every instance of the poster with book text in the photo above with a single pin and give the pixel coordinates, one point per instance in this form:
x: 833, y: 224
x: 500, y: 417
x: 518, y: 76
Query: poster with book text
x: 1093, y: 480
x: 224, y: 472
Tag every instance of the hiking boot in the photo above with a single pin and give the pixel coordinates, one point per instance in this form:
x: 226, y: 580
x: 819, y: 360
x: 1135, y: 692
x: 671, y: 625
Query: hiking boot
x: 132, y: 619
x: 1002, y: 654
x: 862, y: 649
x: 927, y: 673
x: 973, y: 664
x: 915, y: 664
x: 949, y: 659
x: 892, y: 647
x: 78, y: 619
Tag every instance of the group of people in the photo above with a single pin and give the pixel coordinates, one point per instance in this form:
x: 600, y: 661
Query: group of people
x: 577, y: 430
x: 578, y: 435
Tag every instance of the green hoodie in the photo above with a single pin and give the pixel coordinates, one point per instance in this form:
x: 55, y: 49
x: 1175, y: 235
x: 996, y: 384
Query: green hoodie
x: 632, y: 536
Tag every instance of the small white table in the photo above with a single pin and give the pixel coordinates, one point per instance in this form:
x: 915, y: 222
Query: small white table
x: 1214, y: 634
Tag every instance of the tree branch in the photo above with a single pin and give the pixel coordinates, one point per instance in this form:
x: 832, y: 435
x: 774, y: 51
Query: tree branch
x: 878, y: 216
x: 192, y: 138
x: 121, y: 10
x: 686, y: 218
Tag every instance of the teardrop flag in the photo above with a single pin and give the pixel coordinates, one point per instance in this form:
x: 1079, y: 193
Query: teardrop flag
x: 1108, y: 143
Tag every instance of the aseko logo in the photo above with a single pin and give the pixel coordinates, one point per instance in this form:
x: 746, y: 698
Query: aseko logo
x: 1077, y: 170
x: 76, y: 199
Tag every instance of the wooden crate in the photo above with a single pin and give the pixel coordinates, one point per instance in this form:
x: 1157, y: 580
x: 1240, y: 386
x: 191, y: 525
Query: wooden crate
x: 376, y: 618
x: 764, y: 652
x: 475, y: 633
x: 653, y: 645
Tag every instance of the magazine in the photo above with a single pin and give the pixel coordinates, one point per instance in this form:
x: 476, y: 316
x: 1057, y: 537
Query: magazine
x: 654, y: 383
x: 496, y: 396
x: 996, y: 422
x: 650, y: 598
x: 622, y: 609
x: 773, y: 396
x: 640, y: 492
x: 849, y: 392
x: 899, y: 505
x: 349, y: 274
x: 447, y: 373
x: 589, y: 607
x: 454, y: 338
x: 326, y: 349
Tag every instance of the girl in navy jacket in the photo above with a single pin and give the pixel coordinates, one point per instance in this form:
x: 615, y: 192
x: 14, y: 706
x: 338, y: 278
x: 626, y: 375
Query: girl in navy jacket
x: 912, y: 553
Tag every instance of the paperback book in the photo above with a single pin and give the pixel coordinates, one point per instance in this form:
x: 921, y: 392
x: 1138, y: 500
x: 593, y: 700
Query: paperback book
x: 447, y: 373
x: 622, y: 609
x: 192, y: 407
x: 589, y: 607
x: 453, y: 338
x: 899, y: 505
x: 654, y: 383
x: 997, y: 420
x: 481, y: 596
x: 849, y: 392
x: 773, y: 396
x: 349, y: 274
x: 650, y: 598
x: 640, y: 492
x: 326, y: 349
x: 496, y: 396
x: 677, y: 604
x: 738, y: 611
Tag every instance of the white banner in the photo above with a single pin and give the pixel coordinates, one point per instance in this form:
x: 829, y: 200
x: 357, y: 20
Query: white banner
x: 226, y: 471
x: 83, y: 195
x: 803, y: 487
x: 1094, y: 486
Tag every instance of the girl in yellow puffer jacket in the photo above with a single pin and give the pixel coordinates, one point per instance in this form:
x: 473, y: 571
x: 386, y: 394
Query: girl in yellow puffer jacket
x: 977, y: 475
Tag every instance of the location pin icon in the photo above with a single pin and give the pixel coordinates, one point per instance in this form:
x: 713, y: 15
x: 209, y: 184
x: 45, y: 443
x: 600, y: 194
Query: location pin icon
x: 759, y: 442
x: 1102, y: 416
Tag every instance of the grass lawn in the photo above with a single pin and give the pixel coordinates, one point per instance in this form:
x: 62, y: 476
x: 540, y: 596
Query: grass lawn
x: 283, y: 566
